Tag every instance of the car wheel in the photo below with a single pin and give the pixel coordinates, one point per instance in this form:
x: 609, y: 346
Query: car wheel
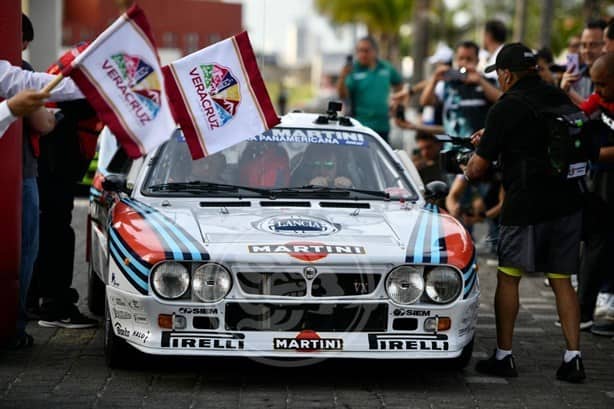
x: 465, y: 357
x: 95, y: 292
x: 117, y: 352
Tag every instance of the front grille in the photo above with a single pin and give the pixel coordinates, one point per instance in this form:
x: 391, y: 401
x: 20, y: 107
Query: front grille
x: 279, y: 284
x: 338, y: 285
x: 296, y: 317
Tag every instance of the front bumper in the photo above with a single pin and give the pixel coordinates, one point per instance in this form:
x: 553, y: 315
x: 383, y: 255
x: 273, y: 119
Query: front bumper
x: 135, y: 319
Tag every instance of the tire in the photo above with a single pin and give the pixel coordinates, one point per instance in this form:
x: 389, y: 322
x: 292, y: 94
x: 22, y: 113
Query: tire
x: 95, y: 292
x: 465, y: 357
x: 117, y: 352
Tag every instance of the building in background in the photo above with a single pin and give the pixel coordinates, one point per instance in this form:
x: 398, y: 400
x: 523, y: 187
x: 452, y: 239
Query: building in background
x: 180, y: 27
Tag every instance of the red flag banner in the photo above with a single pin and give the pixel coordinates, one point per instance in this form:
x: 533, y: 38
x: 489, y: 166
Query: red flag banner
x: 218, y: 96
x: 120, y: 75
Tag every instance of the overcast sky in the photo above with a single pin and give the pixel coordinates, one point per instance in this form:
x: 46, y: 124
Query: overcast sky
x: 268, y: 23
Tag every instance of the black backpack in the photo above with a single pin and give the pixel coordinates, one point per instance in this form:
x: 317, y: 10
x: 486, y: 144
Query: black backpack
x: 568, y: 146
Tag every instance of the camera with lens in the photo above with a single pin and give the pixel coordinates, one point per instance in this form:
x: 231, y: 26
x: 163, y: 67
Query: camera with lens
x: 459, y: 153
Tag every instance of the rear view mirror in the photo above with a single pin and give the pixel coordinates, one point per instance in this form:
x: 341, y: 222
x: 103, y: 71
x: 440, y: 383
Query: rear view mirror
x: 436, y: 190
x: 115, y: 182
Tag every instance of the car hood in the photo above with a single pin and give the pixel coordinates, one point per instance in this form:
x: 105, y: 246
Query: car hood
x: 385, y: 233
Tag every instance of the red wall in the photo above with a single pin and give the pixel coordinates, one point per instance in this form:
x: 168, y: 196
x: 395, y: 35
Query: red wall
x: 205, y: 18
x: 10, y: 180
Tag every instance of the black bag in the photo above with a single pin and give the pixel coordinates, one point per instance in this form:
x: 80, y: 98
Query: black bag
x: 568, y: 145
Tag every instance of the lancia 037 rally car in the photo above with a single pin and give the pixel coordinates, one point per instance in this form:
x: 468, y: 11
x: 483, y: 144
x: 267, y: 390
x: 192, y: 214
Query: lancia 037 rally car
x: 313, y: 239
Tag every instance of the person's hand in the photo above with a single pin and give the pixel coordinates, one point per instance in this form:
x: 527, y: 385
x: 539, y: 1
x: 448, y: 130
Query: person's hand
x: 347, y: 68
x: 404, y: 124
x: 342, y: 182
x: 477, y: 137
x: 568, y: 79
x: 42, y: 121
x: 26, y: 102
x: 440, y: 72
x: 472, y: 76
x: 319, y: 181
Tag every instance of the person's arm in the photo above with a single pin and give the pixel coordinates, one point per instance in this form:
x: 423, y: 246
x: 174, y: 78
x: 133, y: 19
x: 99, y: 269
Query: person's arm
x: 14, y: 79
x: 453, y: 199
x: 491, y: 92
x: 488, y: 141
x: 342, y: 89
x: 430, y: 129
x: 428, y: 96
x: 606, y: 154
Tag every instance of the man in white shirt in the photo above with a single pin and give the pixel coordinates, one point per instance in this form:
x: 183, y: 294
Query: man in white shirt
x: 25, y: 98
x: 19, y: 86
x: 495, y: 35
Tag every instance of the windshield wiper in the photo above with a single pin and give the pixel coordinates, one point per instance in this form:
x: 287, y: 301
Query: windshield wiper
x: 326, y: 191
x: 200, y: 187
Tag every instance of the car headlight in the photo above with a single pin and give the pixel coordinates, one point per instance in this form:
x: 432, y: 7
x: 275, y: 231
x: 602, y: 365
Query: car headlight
x: 211, y: 282
x: 443, y: 284
x: 170, y: 280
x: 405, y: 284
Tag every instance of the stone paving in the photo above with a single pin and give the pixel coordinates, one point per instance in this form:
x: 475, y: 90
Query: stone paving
x: 66, y: 369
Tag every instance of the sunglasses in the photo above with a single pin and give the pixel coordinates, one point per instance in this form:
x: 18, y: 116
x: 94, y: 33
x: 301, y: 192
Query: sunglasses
x: 323, y: 164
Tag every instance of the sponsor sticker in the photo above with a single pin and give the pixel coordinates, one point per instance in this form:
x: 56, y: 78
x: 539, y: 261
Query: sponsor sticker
x: 408, y: 342
x: 322, y: 136
x: 400, y: 312
x: 307, y: 251
x: 297, y: 225
x: 121, y: 331
x: 142, y: 336
x: 308, y: 341
x: 202, y: 340
x: 121, y: 314
x: 201, y: 311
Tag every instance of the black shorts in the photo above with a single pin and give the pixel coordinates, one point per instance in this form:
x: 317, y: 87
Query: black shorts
x: 549, y: 247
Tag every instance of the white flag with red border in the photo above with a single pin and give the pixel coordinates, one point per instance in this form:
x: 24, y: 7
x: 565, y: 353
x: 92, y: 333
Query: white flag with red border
x: 120, y: 75
x: 218, y: 96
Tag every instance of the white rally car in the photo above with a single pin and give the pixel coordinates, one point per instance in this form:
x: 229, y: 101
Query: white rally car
x: 313, y: 239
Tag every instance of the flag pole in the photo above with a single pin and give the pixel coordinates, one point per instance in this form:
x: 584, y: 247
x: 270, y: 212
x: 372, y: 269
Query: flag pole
x: 53, y: 83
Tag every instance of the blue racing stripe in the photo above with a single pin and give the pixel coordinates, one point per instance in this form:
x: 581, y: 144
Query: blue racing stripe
x: 126, y: 270
x: 126, y: 254
x: 196, y: 254
x: 435, y: 257
x: 177, y: 253
x: 419, y: 247
x: 469, y: 285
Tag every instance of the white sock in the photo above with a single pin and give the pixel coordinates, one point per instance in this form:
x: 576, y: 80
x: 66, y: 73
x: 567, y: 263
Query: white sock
x: 502, y: 353
x: 569, y: 355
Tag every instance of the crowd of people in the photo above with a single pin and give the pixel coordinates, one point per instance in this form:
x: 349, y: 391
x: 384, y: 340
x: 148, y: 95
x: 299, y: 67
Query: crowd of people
x: 527, y: 117
x: 548, y: 215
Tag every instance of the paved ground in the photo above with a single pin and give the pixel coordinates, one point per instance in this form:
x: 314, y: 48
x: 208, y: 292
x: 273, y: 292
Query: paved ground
x: 66, y: 369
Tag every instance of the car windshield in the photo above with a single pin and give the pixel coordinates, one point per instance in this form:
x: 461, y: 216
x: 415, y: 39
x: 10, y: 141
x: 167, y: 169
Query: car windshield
x: 282, y: 162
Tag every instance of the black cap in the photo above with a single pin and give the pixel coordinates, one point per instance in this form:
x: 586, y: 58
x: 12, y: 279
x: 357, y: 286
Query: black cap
x: 514, y: 57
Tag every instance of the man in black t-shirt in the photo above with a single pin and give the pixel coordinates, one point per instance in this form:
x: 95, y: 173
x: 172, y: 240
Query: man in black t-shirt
x: 541, y: 214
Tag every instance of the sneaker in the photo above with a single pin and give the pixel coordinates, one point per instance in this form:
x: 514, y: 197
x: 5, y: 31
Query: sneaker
x: 74, y: 320
x: 584, y: 325
x: 604, y: 307
x: 572, y: 371
x: 605, y: 328
x: 505, y: 367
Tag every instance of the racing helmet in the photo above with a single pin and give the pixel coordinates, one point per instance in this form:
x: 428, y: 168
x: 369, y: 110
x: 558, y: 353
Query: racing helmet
x: 264, y: 164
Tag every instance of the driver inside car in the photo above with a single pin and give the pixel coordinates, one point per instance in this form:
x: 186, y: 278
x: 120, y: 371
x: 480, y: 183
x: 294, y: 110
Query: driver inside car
x: 322, y: 165
x: 209, y: 169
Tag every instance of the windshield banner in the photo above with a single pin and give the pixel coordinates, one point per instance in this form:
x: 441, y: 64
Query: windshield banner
x: 120, y: 75
x: 218, y: 96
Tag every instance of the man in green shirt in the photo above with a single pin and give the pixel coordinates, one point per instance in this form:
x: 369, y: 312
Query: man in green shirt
x: 367, y: 84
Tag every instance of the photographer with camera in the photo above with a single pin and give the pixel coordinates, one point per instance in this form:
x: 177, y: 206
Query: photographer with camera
x: 541, y: 218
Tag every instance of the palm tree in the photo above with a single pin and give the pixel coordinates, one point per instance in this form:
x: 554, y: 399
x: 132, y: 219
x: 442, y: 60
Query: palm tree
x: 383, y: 19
